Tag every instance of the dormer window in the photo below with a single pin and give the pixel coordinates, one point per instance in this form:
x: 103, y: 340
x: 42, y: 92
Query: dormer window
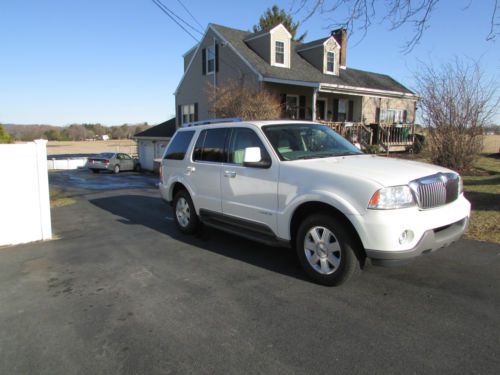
x: 210, y: 59
x: 330, y: 62
x: 280, y: 53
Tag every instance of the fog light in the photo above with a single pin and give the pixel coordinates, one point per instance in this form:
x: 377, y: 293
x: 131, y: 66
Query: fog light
x: 406, y: 237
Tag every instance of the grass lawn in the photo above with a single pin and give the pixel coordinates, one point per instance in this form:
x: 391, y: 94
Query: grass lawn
x: 484, y: 194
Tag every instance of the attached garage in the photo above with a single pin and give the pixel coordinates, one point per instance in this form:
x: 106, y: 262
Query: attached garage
x: 152, y: 142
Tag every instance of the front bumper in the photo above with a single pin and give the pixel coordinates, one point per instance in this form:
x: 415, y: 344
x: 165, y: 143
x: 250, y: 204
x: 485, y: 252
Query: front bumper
x: 433, y: 239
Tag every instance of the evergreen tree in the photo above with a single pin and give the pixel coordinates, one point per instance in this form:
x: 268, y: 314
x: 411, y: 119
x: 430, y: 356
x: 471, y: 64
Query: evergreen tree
x: 273, y: 16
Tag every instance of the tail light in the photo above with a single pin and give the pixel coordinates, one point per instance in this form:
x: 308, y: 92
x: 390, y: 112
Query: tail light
x: 105, y: 161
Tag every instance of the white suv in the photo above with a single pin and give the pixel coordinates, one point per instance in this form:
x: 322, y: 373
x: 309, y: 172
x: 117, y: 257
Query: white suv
x: 300, y: 184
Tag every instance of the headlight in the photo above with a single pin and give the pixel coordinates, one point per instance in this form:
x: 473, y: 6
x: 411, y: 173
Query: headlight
x: 392, y: 197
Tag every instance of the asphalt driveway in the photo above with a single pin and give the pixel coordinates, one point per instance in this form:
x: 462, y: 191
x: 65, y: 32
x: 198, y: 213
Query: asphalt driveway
x: 120, y: 291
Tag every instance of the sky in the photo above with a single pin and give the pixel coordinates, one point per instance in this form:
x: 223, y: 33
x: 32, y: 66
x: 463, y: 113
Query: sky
x: 119, y: 61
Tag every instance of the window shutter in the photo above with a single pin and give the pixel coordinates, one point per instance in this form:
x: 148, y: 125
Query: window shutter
x: 350, y: 113
x: 405, y: 116
x: 302, y: 107
x: 335, y: 109
x: 283, y: 105
x: 216, y: 58
x: 195, y: 116
x: 179, y: 116
x: 204, y: 61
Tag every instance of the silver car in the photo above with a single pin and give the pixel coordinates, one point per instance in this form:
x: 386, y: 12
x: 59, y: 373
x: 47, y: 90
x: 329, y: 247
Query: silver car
x: 114, y: 162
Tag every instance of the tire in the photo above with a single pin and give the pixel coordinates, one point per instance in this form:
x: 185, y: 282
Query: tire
x: 185, y: 216
x: 327, y: 250
x: 116, y: 169
x: 137, y: 167
x: 95, y: 170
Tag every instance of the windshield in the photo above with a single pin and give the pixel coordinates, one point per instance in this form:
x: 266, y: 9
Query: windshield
x: 307, y: 141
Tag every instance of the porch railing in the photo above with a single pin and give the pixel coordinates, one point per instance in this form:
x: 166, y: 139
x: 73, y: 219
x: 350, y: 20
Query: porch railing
x: 396, y: 135
x: 355, y: 132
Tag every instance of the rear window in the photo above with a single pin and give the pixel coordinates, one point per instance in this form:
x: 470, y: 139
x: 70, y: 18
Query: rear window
x: 210, y: 145
x: 178, y: 145
x: 105, y: 155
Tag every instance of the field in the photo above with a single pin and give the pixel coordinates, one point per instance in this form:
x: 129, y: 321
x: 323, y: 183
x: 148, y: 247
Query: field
x: 91, y: 147
x: 491, y: 144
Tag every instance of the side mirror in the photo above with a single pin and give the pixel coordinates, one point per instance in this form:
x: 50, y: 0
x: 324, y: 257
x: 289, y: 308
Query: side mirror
x: 252, y: 158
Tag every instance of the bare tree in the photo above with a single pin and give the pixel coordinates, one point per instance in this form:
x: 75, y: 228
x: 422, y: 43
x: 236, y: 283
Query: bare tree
x: 397, y: 13
x: 235, y: 99
x: 457, y: 102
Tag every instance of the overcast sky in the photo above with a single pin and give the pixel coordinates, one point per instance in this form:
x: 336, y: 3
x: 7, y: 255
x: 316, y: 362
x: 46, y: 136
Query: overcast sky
x: 119, y: 61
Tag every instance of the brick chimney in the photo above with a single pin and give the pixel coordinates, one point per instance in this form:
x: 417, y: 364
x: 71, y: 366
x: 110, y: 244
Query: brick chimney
x: 340, y: 36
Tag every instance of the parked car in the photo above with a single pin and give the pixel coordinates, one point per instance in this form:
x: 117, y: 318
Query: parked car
x: 300, y: 184
x: 114, y: 162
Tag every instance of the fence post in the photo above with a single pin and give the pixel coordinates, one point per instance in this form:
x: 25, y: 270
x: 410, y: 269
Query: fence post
x: 43, y: 189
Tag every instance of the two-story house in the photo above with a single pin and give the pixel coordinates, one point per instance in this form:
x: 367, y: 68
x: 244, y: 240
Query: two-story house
x: 312, y: 80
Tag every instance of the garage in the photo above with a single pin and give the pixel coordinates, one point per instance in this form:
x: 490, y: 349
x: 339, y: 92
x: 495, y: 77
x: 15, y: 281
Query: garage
x: 152, y: 142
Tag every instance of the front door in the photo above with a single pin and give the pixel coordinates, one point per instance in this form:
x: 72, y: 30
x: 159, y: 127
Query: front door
x: 321, y: 109
x: 249, y: 193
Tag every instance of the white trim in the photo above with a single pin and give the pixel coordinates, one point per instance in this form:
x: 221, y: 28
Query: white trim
x: 332, y: 73
x: 225, y: 41
x: 291, y: 82
x: 268, y: 32
x: 344, y: 88
x: 149, y: 138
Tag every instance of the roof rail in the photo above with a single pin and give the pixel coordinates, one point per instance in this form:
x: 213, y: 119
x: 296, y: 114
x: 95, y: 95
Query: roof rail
x: 211, y: 121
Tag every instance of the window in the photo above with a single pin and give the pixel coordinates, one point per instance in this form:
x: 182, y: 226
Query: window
x: 178, y: 145
x: 241, y: 139
x: 292, y: 107
x: 210, y: 145
x: 330, y: 62
x: 393, y: 115
x: 187, y: 113
x: 210, y: 59
x: 279, y: 53
x: 342, y: 110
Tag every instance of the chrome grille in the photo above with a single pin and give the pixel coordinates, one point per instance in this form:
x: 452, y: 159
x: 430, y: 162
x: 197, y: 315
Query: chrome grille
x: 436, y: 190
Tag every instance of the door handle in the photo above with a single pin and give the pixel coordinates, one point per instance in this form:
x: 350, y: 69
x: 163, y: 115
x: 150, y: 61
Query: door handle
x: 190, y: 169
x: 230, y: 174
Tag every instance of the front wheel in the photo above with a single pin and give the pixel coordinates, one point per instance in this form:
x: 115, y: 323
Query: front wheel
x: 185, y: 214
x: 327, y: 250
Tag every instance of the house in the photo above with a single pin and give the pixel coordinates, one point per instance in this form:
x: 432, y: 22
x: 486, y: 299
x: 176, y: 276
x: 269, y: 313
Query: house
x: 152, y: 142
x: 312, y: 80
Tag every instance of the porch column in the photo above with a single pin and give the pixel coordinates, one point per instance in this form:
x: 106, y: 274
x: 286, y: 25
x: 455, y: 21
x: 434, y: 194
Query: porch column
x: 314, y: 97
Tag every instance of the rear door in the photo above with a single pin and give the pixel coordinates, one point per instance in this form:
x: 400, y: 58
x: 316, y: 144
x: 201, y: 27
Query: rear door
x: 249, y: 193
x: 126, y: 162
x: 205, y: 167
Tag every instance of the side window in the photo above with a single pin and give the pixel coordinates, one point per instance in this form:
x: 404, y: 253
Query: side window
x: 178, y: 145
x: 210, y: 145
x: 241, y: 139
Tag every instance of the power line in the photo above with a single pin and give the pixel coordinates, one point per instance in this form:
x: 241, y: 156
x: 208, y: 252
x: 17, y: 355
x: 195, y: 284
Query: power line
x: 181, y: 19
x: 167, y: 11
x: 187, y: 10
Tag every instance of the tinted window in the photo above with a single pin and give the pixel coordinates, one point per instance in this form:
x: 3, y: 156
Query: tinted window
x: 178, y: 145
x: 241, y: 139
x: 210, y: 145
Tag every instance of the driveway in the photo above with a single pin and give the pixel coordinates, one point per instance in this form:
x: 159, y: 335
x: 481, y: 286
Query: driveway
x: 120, y: 291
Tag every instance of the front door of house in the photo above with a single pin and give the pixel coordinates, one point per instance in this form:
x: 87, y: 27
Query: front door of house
x: 321, y: 109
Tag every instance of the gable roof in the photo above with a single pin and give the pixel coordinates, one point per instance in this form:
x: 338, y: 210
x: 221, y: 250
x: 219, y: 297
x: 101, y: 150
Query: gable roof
x: 301, y: 70
x: 164, y: 130
x: 314, y: 43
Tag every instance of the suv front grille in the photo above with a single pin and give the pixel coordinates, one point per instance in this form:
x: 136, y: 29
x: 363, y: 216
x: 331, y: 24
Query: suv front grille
x: 436, y: 190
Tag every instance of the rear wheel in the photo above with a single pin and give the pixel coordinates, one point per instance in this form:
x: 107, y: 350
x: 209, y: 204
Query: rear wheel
x: 185, y: 214
x: 116, y: 169
x: 327, y: 250
x: 137, y: 167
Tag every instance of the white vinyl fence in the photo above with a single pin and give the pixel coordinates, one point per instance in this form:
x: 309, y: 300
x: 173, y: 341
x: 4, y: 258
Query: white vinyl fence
x: 68, y: 163
x: 24, y: 192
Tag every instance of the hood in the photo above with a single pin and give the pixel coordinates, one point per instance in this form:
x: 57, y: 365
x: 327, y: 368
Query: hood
x: 382, y: 170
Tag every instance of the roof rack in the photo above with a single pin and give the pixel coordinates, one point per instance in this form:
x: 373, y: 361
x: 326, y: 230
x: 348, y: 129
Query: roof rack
x: 211, y: 121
